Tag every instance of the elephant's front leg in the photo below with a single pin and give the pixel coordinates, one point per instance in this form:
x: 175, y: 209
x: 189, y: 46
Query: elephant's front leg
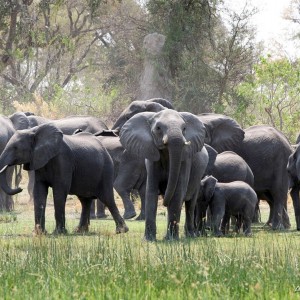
x: 217, y: 215
x: 189, y: 220
x: 153, y: 174
x: 40, y: 193
x: 60, y: 196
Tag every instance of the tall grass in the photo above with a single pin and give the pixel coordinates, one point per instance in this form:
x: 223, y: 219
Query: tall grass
x: 102, y: 265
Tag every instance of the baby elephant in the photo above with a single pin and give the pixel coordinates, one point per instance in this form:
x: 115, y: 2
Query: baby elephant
x: 236, y: 198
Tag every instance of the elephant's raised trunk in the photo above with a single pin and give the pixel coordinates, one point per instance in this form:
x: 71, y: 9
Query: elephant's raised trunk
x: 175, y: 147
x: 3, y: 183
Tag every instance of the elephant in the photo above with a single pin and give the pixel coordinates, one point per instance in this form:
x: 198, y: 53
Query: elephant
x: 151, y: 105
x: 8, y: 126
x: 293, y: 168
x: 67, y: 125
x: 266, y: 150
x: 225, y: 167
x: 171, y: 143
x: 130, y: 173
x: 77, y: 165
x: 235, y: 198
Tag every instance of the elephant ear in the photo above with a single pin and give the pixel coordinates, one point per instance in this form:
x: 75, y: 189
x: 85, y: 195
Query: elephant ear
x: 209, y: 186
x: 195, y: 131
x: 136, y: 136
x: 164, y: 102
x: 19, y: 120
x: 46, y: 145
x: 223, y: 133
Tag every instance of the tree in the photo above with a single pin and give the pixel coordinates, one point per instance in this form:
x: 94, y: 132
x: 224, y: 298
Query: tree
x: 275, y: 90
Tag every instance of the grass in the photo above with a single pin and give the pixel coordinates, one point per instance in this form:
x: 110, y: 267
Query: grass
x: 103, y: 265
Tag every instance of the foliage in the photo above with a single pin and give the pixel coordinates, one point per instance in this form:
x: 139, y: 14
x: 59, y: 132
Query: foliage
x: 274, y: 89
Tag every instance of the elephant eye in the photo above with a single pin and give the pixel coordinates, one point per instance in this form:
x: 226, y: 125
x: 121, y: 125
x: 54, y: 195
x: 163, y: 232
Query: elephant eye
x: 158, y: 128
x: 183, y: 130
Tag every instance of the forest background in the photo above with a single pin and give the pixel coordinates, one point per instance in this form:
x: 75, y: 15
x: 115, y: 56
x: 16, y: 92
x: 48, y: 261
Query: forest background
x: 64, y: 57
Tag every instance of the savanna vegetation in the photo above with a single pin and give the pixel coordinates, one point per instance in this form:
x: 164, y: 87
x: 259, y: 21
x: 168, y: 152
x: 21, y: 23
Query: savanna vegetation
x: 62, y: 57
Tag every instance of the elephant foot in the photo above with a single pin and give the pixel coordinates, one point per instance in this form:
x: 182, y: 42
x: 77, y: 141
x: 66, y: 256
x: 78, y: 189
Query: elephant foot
x: 140, y: 217
x: 218, y: 234
x: 101, y: 216
x: 60, y: 231
x: 82, y: 229
x: 129, y: 214
x: 149, y: 238
x: 122, y: 229
x: 171, y: 237
x: 249, y: 234
x: 38, y: 230
x: 92, y: 217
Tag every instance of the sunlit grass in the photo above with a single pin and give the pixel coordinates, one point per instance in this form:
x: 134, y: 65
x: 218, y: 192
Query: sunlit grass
x: 103, y: 265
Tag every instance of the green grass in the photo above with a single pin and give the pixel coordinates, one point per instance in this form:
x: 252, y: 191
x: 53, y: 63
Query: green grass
x: 103, y: 265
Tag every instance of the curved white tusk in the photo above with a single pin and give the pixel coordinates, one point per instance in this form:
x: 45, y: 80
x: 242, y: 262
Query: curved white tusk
x: 3, y: 169
x: 187, y: 143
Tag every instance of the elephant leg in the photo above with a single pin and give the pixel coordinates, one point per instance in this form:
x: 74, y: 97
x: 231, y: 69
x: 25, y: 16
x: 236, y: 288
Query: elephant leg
x: 100, y: 210
x: 40, y: 194
x: 124, y: 190
x: 189, y: 219
x: 60, y: 196
x: 256, y: 217
x: 217, y: 215
x: 93, y: 210
x: 142, y: 192
x: 85, y: 214
x: 8, y: 200
x: 296, y: 203
x: 280, y: 200
x: 247, y: 225
x: 225, y: 223
x: 107, y: 198
x: 30, y: 185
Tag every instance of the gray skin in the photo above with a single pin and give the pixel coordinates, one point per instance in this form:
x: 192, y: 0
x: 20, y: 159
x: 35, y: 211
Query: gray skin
x: 130, y: 174
x: 77, y: 165
x: 293, y: 168
x: 8, y: 126
x: 135, y: 107
x: 172, y: 144
x: 235, y: 198
x: 225, y: 167
x: 266, y: 151
x: 67, y: 125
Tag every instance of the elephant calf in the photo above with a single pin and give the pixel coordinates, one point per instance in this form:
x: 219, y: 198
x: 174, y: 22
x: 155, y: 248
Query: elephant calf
x: 236, y: 198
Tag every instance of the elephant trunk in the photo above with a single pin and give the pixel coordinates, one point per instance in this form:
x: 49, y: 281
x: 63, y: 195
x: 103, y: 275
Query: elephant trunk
x: 3, y: 183
x: 175, y: 147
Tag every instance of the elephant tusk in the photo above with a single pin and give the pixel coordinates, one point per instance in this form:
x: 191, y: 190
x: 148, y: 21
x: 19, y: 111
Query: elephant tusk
x: 165, y: 140
x: 3, y: 169
x: 187, y: 143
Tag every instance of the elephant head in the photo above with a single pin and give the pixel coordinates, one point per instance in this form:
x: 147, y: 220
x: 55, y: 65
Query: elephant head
x: 31, y: 147
x: 151, y: 135
x: 135, y: 107
x: 293, y: 167
x: 208, y: 185
x: 223, y: 133
x: 19, y: 120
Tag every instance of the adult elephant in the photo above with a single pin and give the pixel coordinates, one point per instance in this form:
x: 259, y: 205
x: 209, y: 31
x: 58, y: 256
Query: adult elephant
x: 172, y: 144
x: 77, y: 165
x: 293, y: 168
x: 67, y: 125
x: 135, y: 107
x: 130, y: 173
x: 8, y: 126
x: 266, y: 150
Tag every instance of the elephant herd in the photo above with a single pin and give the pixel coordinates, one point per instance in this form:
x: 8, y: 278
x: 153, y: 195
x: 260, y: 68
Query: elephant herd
x: 207, y: 161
